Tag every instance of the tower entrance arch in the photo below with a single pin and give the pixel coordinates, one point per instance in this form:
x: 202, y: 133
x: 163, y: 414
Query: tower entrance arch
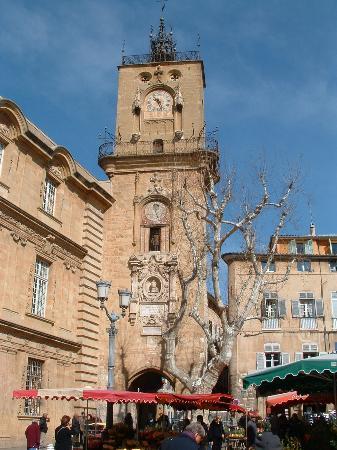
x: 150, y: 380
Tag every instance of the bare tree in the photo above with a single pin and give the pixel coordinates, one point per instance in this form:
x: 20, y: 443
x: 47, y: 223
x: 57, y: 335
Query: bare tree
x: 209, y: 229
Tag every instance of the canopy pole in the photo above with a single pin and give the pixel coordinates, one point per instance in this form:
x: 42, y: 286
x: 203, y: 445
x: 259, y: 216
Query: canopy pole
x: 86, y: 426
x: 334, y: 390
x: 137, y: 426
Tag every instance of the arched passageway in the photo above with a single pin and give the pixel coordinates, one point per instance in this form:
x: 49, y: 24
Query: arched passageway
x: 149, y: 381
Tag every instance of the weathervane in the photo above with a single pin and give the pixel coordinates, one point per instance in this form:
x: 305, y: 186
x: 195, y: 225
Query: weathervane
x: 162, y: 4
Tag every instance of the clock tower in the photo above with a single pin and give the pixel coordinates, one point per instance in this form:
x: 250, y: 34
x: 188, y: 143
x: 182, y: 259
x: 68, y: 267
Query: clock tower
x: 159, y: 140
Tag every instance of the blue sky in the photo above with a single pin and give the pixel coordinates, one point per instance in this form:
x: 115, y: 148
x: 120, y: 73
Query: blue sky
x: 271, y: 79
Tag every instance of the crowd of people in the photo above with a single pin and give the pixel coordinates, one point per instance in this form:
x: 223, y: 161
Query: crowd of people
x: 69, y: 434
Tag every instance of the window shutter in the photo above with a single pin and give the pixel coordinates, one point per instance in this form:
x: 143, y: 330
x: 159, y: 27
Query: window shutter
x: 263, y: 307
x: 295, y: 308
x: 322, y: 353
x: 308, y: 247
x: 282, y: 308
x: 260, y: 361
x: 298, y: 356
x: 292, y: 246
x: 334, y: 305
x: 319, y: 308
x: 285, y: 358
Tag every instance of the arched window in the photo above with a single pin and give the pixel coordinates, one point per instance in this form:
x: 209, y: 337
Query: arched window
x: 158, y: 146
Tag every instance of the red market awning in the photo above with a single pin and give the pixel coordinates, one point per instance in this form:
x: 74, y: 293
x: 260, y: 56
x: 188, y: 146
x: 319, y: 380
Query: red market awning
x: 293, y: 398
x: 119, y: 396
x: 196, y: 401
x: 54, y: 394
x: 218, y: 402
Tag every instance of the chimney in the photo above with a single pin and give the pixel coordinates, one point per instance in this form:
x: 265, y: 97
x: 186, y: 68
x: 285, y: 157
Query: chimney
x: 312, y: 229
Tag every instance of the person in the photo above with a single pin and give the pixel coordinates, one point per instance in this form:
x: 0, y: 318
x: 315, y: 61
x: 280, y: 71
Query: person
x: 268, y: 440
x: 204, y: 442
x: 185, y: 423
x: 189, y: 439
x: 251, y: 432
x: 63, y: 435
x: 33, y: 435
x: 75, y: 430
x: 216, y: 433
x: 163, y: 422
x: 296, y: 427
x: 43, y: 429
x: 128, y: 421
x: 82, y: 426
x: 282, y: 425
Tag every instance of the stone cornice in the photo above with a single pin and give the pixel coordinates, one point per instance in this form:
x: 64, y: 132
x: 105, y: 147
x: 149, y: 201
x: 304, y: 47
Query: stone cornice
x: 18, y: 330
x: 25, y: 228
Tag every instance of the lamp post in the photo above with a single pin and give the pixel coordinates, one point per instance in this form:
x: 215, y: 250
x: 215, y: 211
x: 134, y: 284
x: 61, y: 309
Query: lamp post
x: 124, y: 299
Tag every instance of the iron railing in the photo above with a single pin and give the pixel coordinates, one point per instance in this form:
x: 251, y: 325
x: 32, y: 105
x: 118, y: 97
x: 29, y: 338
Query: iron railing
x: 149, y: 57
x: 117, y: 148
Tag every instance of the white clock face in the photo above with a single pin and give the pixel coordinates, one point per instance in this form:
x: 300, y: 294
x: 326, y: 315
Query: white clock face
x: 159, y: 101
x: 155, y: 211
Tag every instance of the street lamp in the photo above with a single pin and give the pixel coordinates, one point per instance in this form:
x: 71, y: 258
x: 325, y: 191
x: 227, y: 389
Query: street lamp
x: 124, y: 300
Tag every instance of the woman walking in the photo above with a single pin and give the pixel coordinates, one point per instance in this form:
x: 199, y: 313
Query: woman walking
x: 63, y: 435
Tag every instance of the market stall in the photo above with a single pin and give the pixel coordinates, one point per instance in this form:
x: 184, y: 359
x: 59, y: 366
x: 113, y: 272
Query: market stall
x: 121, y: 435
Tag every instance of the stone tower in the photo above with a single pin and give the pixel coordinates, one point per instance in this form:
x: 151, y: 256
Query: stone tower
x: 160, y: 136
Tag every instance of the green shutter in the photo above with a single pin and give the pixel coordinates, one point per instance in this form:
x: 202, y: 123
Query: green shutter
x: 308, y: 247
x: 282, y: 308
x: 292, y: 247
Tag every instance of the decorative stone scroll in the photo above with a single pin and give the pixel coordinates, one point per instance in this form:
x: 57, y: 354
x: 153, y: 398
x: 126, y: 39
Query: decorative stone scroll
x: 153, y: 280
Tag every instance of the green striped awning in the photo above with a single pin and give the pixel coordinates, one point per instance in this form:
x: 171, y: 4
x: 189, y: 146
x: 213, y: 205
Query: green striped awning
x: 305, y: 376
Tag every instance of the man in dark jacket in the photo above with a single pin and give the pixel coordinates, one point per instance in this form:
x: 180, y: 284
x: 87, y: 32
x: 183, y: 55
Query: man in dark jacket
x: 189, y: 439
x: 43, y: 429
x: 216, y: 433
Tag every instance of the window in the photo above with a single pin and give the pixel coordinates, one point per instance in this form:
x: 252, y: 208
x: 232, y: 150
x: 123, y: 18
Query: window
x: 333, y: 266
x: 271, y: 268
x: 334, y: 309
x: 310, y: 350
x: 273, y: 309
x: 271, y: 357
x: 307, y: 309
x: 304, y: 265
x: 300, y: 247
x: 33, y: 381
x: 49, y: 194
x: 307, y: 304
x: 40, y: 288
x: 158, y: 146
x: 154, y: 239
x: 333, y: 248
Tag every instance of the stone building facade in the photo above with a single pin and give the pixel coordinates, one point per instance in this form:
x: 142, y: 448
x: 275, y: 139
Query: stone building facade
x: 297, y: 319
x: 61, y: 230
x: 51, y: 250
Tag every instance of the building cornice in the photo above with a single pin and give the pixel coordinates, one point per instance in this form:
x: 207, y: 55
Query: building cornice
x: 31, y: 229
x: 18, y: 330
x: 230, y: 257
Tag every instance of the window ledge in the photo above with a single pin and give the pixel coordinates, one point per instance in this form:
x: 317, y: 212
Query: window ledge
x: 28, y: 417
x: 43, y: 319
x: 49, y: 215
x: 4, y: 186
x: 271, y: 329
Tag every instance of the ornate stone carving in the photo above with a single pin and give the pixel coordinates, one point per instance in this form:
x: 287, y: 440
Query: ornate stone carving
x: 178, y: 99
x: 156, y: 187
x: 136, y: 105
x: 19, y: 239
x: 158, y: 73
x: 153, y: 278
x: 4, y: 129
